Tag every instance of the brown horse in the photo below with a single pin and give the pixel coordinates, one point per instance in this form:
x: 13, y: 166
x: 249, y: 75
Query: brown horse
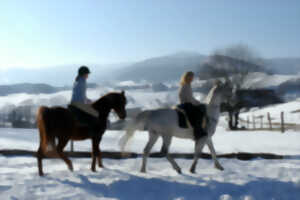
x: 59, y: 125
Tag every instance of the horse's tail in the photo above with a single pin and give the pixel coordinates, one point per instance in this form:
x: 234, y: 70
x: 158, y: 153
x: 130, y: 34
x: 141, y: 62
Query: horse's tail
x: 43, y: 125
x: 138, y: 123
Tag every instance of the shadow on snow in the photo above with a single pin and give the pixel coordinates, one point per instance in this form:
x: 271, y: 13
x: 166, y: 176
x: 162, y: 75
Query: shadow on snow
x: 154, y: 188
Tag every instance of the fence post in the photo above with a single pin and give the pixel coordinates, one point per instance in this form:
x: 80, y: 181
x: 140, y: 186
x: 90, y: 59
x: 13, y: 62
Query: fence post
x: 282, y: 122
x: 72, y: 146
x: 261, y: 121
x: 253, y: 118
x: 269, y: 119
x: 248, y: 122
x: 240, y: 121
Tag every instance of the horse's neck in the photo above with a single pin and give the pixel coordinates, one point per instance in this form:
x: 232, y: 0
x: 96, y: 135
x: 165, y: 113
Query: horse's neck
x: 103, y: 107
x: 213, y: 105
x: 103, y: 115
x: 213, y: 112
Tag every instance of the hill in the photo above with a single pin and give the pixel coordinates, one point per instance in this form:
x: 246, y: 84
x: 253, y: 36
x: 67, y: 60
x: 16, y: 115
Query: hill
x: 164, y: 68
x: 283, y: 65
x: 158, y: 69
x: 34, y: 88
x: 171, y: 67
x: 57, y: 76
x: 28, y: 88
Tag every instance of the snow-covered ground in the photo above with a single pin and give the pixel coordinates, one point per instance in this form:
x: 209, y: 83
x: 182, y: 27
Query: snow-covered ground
x: 249, y: 180
x: 291, y: 111
x: 121, y: 179
x: 262, y: 80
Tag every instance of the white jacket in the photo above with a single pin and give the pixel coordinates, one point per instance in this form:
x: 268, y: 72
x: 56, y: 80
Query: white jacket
x: 186, y: 95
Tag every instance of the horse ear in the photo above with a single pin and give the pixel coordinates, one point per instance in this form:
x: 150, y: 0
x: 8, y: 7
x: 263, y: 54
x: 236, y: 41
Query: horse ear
x: 228, y: 82
x: 217, y: 82
x: 227, y: 79
x: 123, y: 92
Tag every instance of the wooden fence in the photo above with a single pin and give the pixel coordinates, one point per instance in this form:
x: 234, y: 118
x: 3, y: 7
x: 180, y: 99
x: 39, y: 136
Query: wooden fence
x: 266, y: 122
x: 121, y: 155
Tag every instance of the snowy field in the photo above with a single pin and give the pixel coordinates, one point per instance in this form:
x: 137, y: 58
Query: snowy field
x: 121, y: 179
x: 257, y: 179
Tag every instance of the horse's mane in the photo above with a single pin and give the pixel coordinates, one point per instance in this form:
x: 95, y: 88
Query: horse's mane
x: 103, y: 97
x: 210, y: 95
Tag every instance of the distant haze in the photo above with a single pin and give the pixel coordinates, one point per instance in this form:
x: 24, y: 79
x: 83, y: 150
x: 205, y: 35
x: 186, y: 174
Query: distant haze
x: 157, y: 69
x: 57, y: 76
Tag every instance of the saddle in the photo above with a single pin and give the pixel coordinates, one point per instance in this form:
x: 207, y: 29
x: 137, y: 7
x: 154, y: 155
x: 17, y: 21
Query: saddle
x: 85, y: 120
x: 190, y: 115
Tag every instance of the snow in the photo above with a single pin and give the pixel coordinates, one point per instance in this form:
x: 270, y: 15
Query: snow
x: 120, y: 179
x: 262, y: 80
x: 275, y: 112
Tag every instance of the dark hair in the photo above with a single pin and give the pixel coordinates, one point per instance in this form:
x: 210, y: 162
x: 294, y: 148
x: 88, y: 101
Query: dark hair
x: 82, y: 71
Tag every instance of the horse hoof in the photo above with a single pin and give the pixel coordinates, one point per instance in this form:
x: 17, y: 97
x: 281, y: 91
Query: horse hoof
x: 101, y: 166
x: 193, y: 169
x: 71, y: 168
x: 143, y: 171
x: 93, y: 168
x: 219, y: 167
x: 179, y: 171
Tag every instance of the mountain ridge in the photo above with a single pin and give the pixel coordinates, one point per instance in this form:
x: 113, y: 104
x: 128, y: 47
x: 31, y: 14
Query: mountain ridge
x: 155, y: 69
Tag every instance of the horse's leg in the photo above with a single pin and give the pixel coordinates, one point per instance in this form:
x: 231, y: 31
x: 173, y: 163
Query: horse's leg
x: 62, y: 142
x: 213, y: 154
x: 100, y: 163
x: 40, y: 156
x: 166, y: 144
x: 93, y: 166
x: 199, y: 144
x: 96, y: 154
x: 152, y: 139
x: 163, y: 149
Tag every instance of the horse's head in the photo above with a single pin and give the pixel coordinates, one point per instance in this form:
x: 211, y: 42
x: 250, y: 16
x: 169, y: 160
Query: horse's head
x: 119, y: 104
x: 221, y: 92
x: 114, y: 100
x: 227, y: 91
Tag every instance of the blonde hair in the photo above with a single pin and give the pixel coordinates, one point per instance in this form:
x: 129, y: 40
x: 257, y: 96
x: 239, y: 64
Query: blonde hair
x: 185, y: 76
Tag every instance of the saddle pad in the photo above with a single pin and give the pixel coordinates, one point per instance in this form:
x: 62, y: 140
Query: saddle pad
x: 85, y: 120
x: 182, y: 120
x: 190, y: 115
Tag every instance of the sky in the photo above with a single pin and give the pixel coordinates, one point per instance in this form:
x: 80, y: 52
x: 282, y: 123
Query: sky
x: 37, y: 33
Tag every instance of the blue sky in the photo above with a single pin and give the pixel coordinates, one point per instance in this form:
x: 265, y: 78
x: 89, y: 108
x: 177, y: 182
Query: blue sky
x: 39, y: 33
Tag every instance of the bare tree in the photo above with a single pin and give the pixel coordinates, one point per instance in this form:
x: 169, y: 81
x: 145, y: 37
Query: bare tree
x: 233, y: 63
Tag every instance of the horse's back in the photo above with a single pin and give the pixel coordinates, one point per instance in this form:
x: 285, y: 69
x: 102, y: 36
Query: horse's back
x: 158, y: 118
x: 156, y: 114
x: 54, y: 118
x: 164, y: 115
x: 164, y: 121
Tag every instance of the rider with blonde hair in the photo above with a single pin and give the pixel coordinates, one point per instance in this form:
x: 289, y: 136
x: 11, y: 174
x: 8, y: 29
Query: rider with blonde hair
x: 194, y: 110
x: 185, y: 90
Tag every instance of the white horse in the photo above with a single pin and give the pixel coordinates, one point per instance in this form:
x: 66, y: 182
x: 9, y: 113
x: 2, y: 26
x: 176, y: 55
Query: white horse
x: 164, y: 123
